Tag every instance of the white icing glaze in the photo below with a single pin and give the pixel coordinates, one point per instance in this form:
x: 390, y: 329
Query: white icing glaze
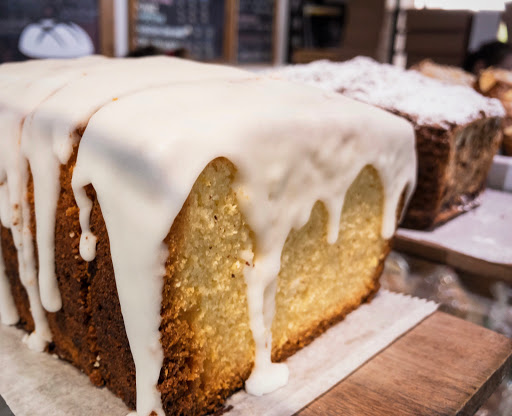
x: 23, y: 88
x: 426, y: 101
x: 48, y: 142
x: 8, y: 312
x: 292, y: 146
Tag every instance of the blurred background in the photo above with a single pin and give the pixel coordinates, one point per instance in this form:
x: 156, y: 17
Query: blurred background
x: 470, y: 34
x: 255, y: 31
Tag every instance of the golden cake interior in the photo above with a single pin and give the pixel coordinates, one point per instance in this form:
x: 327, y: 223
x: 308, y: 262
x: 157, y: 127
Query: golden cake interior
x: 205, y: 324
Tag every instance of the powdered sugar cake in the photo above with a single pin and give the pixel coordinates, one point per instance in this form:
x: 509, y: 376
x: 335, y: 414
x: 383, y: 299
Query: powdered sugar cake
x: 497, y: 83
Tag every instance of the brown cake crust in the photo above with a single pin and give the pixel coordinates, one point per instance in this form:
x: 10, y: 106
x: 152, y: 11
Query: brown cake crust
x: 19, y: 293
x: 115, y: 363
x: 73, y: 336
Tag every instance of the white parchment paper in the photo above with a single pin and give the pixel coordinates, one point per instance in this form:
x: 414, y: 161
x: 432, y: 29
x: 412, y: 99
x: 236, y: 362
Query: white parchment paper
x: 37, y: 384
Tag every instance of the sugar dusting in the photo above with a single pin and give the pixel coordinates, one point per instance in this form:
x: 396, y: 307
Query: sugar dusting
x: 423, y: 100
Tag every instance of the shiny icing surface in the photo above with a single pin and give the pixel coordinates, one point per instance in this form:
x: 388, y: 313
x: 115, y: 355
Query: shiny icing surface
x: 23, y: 88
x: 292, y: 145
x: 8, y: 312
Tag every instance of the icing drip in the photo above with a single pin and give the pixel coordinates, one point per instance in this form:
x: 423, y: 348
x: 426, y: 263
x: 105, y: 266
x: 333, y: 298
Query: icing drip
x: 22, y: 91
x: 425, y: 101
x: 139, y: 282
x: 47, y: 143
x: 292, y: 146
x: 261, y: 283
x: 8, y: 312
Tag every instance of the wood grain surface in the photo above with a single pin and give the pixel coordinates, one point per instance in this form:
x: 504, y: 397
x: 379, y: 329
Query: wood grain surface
x: 445, y: 366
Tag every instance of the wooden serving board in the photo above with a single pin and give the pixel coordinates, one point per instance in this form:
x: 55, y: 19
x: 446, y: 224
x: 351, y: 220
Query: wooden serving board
x: 445, y: 366
x: 478, y: 242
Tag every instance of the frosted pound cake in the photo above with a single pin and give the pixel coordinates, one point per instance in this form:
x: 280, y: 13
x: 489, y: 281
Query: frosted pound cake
x: 194, y: 231
x: 446, y: 73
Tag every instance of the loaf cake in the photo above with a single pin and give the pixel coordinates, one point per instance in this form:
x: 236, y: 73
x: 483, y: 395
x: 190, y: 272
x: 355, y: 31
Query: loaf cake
x: 457, y: 129
x: 497, y: 83
x: 191, y: 225
x: 19, y: 96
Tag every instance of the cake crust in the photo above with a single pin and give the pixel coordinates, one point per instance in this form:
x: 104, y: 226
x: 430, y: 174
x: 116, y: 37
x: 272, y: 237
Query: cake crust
x: 19, y: 293
x: 73, y: 335
x: 452, y: 169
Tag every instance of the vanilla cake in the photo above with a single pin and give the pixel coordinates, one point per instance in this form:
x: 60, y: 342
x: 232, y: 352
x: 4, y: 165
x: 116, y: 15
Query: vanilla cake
x: 185, y: 227
x: 457, y: 129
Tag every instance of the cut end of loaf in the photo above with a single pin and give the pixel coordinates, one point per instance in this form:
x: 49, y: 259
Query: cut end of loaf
x: 208, y: 347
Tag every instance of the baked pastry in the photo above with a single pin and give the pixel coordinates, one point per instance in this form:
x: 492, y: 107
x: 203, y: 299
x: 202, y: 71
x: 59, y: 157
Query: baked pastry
x: 211, y: 232
x: 457, y: 129
x: 492, y: 82
x: 497, y: 83
x: 446, y: 73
